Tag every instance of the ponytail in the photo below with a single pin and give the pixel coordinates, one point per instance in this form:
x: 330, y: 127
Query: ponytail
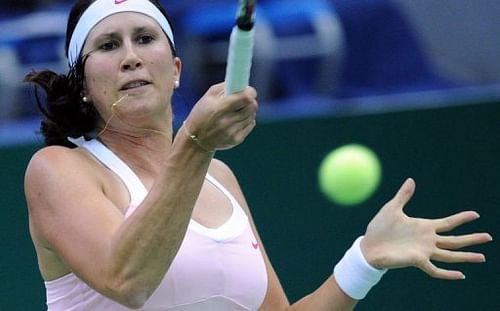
x: 64, y: 113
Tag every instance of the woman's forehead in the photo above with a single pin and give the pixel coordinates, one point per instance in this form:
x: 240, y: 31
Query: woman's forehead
x: 123, y: 21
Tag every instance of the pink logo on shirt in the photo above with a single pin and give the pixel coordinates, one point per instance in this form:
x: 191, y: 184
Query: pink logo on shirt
x: 119, y: 1
x: 255, y: 245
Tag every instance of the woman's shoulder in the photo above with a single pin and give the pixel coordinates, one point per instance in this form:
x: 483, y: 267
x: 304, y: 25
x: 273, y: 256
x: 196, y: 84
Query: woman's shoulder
x: 57, y: 163
x: 54, y: 150
x: 225, y: 175
x: 221, y: 171
x: 52, y: 157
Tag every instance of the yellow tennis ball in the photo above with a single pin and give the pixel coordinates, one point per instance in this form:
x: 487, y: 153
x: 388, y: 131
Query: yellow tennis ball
x: 349, y: 174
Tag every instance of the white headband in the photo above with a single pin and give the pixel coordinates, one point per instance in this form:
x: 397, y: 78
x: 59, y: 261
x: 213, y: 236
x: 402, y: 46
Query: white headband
x: 101, y: 9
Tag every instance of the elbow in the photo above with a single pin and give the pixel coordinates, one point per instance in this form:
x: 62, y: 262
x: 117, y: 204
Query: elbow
x: 132, y: 296
x: 135, y: 300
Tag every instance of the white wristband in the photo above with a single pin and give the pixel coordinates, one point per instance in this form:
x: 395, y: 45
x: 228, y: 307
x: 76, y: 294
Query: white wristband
x: 354, y: 274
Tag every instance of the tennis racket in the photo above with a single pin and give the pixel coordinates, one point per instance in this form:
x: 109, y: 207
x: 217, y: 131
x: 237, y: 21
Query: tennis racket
x: 239, y: 59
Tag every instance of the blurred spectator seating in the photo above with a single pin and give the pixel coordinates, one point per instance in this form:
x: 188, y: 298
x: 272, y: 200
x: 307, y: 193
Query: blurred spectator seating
x: 382, y: 52
x: 332, y: 48
x: 298, y: 45
x: 460, y: 37
x: 29, y: 41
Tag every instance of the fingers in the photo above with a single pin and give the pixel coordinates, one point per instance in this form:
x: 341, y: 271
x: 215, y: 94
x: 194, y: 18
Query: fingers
x: 448, y: 256
x: 453, y: 221
x: 444, y: 252
x: 247, y: 112
x: 439, y: 273
x: 245, y: 131
x: 236, y: 102
x: 404, y: 193
x: 216, y: 89
x: 239, y: 134
x: 456, y: 242
x: 242, y: 111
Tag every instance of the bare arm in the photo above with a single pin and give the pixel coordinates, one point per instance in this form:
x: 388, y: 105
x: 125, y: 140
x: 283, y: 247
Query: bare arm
x: 125, y: 259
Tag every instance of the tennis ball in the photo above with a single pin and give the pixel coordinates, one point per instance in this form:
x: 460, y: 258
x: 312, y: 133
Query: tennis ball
x: 349, y: 174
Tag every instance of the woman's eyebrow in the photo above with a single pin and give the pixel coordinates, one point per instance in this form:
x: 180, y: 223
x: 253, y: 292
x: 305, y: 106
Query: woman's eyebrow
x: 144, y: 28
x: 117, y: 34
x: 107, y: 35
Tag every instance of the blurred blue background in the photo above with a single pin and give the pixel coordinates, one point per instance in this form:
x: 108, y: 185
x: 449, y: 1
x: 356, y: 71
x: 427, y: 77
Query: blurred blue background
x: 311, y: 57
x: 418, y: 81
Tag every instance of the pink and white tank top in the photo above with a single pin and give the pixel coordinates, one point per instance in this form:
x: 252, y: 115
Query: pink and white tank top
x: 219, y: 269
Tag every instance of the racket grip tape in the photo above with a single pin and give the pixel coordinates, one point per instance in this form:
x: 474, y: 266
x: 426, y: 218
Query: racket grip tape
x: 239, y: 60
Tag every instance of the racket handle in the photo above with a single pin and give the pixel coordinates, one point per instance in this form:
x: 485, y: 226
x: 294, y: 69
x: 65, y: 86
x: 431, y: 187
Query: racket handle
x: 239, y: 60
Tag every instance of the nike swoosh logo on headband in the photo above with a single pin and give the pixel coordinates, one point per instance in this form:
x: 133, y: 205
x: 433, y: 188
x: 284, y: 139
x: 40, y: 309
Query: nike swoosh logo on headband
x: 119, y: 1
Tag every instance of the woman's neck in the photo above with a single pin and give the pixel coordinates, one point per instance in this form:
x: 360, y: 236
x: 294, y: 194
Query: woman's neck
x: 143, y: 152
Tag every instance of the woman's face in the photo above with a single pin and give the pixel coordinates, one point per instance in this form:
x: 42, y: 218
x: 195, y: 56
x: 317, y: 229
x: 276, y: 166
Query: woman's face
x: 131, y: 65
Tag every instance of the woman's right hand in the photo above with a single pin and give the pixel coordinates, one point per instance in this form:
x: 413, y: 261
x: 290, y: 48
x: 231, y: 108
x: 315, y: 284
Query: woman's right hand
x: 222, y: 121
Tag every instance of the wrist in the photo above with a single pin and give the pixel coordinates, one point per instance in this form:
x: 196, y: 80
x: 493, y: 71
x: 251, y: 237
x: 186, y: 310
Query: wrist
x: 373, y: 257
x: 354, y: 275
x: 195, y: 139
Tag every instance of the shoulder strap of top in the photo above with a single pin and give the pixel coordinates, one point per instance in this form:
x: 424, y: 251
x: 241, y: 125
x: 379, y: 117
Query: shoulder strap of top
x: 233, y: 227
x: 138, y: 191
x: 222, y: 189
x: 136, y: 188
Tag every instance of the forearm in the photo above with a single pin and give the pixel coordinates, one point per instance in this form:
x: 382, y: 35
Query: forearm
x: 328, y: 297
x: 350, y: 282
x: 145, y: 245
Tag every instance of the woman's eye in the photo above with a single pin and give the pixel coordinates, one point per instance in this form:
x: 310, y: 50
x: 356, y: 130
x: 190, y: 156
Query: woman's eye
x: 107, y: 46
x: 145, y: 39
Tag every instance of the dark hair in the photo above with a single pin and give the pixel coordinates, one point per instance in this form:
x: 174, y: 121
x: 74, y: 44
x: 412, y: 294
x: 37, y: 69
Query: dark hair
x: 64, y: 114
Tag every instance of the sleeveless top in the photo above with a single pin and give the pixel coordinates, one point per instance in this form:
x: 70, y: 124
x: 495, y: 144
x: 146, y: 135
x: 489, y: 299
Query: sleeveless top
x: 220, y: 269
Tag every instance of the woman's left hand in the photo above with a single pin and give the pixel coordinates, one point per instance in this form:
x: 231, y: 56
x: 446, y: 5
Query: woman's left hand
x: 395, y: 240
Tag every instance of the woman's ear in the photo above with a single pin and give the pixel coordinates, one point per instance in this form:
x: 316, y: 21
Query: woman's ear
x: 177, y: 71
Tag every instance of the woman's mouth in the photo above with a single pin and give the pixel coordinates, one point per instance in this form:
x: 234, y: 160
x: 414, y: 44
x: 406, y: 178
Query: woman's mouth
x: 134, y: 85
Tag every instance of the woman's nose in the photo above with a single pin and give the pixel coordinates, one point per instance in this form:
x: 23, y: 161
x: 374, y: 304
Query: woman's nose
x: 132, y: 60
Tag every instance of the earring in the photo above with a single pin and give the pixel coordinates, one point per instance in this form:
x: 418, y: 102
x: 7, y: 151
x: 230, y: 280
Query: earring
x: 85, y: 99
x: 177, y: 84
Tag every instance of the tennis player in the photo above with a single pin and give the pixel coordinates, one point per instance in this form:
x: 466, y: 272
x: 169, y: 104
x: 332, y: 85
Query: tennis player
x: 126, y: 215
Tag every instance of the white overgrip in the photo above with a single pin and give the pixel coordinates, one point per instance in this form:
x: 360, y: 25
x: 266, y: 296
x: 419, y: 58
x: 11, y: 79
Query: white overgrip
x: 239, y: 60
